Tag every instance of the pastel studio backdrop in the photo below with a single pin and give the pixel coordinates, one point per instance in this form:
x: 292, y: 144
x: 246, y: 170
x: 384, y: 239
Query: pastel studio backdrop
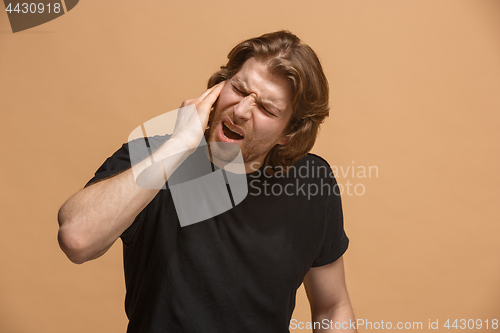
x: 414, y: 95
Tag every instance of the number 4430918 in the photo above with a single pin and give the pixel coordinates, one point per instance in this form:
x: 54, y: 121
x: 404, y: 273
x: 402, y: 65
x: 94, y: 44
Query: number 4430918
x: 472, y: 324
x: 34, y: 8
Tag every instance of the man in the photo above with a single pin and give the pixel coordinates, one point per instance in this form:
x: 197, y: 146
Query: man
x: 237, y: 271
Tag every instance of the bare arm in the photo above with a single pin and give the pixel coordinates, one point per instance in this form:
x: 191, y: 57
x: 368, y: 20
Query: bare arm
x: 92, y: 219
x: 327, y: 294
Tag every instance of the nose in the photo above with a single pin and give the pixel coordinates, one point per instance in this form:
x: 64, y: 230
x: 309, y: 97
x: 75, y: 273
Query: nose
x: 243, y: 110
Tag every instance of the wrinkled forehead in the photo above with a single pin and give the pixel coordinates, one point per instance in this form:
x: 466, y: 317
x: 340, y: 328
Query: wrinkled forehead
x: 256, y: 76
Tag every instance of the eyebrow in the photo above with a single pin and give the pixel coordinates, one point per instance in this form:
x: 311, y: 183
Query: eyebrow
x: 267, y: 103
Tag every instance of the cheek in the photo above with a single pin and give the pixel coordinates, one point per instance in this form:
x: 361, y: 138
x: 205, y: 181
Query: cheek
x: 227, y: 98
x: 268, y: 128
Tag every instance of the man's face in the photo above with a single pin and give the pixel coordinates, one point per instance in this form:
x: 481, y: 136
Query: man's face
x: 253, y: 111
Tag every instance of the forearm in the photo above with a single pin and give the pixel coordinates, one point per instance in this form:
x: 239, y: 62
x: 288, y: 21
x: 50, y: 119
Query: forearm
x: 92, y: 219
x: 338, y: 319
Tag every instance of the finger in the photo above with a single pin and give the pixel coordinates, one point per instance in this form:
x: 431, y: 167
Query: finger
x: 212, y: 96
x: 208, y: 91
x: 187, y: 102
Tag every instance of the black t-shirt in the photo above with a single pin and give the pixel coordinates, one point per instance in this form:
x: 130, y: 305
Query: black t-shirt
x: 238, y: 271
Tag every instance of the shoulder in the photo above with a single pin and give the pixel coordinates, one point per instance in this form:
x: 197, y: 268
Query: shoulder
x: 311, y: 158
x: 151, y: 142
x: 316, y: 166
x: 128, y: 154
x: 143, y: 144
x: 317, y: 159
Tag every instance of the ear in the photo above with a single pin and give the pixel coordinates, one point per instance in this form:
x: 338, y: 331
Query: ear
x: 284, y: 140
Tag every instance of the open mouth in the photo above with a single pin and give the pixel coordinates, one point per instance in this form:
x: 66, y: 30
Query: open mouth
x: 230, y: 134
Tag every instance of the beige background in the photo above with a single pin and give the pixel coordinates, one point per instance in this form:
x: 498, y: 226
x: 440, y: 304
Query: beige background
x: 415, y: 88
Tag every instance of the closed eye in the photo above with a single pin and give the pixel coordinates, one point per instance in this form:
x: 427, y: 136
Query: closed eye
x: 260, y: 105
x: 238, y: 91
x: 265, y: 110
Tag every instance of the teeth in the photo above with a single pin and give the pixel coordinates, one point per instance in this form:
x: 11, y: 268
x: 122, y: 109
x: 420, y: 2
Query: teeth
x: 232, y: 130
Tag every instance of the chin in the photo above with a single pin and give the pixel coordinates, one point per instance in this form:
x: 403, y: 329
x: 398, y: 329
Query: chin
x: 223, y: 151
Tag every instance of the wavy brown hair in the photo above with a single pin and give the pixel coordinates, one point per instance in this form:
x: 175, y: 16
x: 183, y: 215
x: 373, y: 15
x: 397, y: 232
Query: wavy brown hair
x: 286, y: 55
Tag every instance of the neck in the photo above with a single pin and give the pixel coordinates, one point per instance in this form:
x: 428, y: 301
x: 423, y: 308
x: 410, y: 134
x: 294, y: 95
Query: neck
x: 237, y: 166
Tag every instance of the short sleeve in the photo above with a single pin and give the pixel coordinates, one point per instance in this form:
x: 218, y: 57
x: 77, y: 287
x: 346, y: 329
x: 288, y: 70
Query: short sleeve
x: 115, y: 164
x: 335, y: 241
x: 119, y: 162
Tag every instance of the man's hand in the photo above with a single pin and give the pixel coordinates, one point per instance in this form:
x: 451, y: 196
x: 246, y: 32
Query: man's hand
x: 94, y: 217
x: 192, y: 118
